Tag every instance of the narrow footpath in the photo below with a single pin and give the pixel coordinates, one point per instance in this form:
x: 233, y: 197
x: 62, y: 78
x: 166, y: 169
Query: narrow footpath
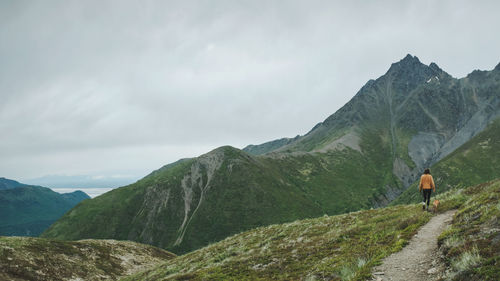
x: 420, y: 259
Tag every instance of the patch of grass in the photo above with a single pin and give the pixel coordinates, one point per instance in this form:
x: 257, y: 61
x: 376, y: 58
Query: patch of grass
x: 467, y: 261
x: 472, y: 244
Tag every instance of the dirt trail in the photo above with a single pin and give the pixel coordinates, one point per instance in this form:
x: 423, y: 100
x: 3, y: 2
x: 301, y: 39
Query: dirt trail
x: 420, y: 259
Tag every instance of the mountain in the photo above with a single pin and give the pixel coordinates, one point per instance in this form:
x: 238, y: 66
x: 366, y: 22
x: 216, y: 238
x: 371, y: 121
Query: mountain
x: 27, y: 210
x: 9, y: 184
x: 348, y: 246
x: 475, y: 162
x: 420, y: 113
x: 25, y: 258
x: 364, y: 155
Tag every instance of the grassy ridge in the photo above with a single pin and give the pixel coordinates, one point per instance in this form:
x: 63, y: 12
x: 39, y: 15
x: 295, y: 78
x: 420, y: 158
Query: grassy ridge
x: 23, y: 258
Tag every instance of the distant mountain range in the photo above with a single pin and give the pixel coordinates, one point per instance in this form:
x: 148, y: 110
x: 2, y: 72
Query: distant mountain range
x: 27, y: 210
x: 82, y: 181
x: 364, y: 155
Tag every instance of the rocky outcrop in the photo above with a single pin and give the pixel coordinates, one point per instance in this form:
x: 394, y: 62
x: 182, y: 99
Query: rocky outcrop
x: 209, y: 163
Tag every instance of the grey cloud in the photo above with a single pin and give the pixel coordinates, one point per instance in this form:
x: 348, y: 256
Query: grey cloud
x: 79, y: 78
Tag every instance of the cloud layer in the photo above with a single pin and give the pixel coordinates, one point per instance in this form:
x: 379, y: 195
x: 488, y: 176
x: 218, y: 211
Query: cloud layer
x: 107, y: 87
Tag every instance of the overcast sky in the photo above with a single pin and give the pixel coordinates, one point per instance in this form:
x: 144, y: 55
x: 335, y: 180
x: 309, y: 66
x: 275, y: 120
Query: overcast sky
x: 120, y: 88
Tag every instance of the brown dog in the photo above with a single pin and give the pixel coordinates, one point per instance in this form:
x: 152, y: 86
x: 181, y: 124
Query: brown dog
x: 436, y: 205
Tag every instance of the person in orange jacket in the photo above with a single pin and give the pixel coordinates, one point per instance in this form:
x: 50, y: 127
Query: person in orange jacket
x: 426, y: 185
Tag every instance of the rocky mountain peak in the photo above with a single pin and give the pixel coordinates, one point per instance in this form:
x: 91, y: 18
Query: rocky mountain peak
x: 410, y: 71
x: 497, y: 67
x: 408, y: 62
x: 435, y: 67
x: 410, y: 58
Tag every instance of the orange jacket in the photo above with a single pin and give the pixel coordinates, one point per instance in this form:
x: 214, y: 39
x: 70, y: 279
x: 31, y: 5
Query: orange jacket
x: 426, y: 182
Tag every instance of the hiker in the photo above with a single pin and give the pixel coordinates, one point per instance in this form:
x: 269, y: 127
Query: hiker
x: 427, y: 185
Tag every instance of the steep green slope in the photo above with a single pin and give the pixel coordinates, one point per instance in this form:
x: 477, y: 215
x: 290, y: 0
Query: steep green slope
x: 28, y: 210
x: 475, y: 162
x: 23, y: 258
x: 472, y: 245
x: 362, y: 156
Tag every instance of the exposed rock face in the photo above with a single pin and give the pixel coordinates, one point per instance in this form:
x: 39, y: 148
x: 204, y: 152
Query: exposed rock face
x: 489, y: 109
x: 401, y: 170
x: 209, y: 163
x: 475, y: 162
x: 160, y: 199
x: 424, y: 147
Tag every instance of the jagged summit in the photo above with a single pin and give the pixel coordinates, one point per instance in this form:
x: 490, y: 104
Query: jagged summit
x: 434, y: 66
x: 408, y: 61
x: 409, y: 73
x: 410, y: 58
x: 497, y: 67
x: 412, y: 64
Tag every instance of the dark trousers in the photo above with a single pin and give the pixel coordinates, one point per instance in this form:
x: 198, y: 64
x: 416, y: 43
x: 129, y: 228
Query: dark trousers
x: 427, y: 196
